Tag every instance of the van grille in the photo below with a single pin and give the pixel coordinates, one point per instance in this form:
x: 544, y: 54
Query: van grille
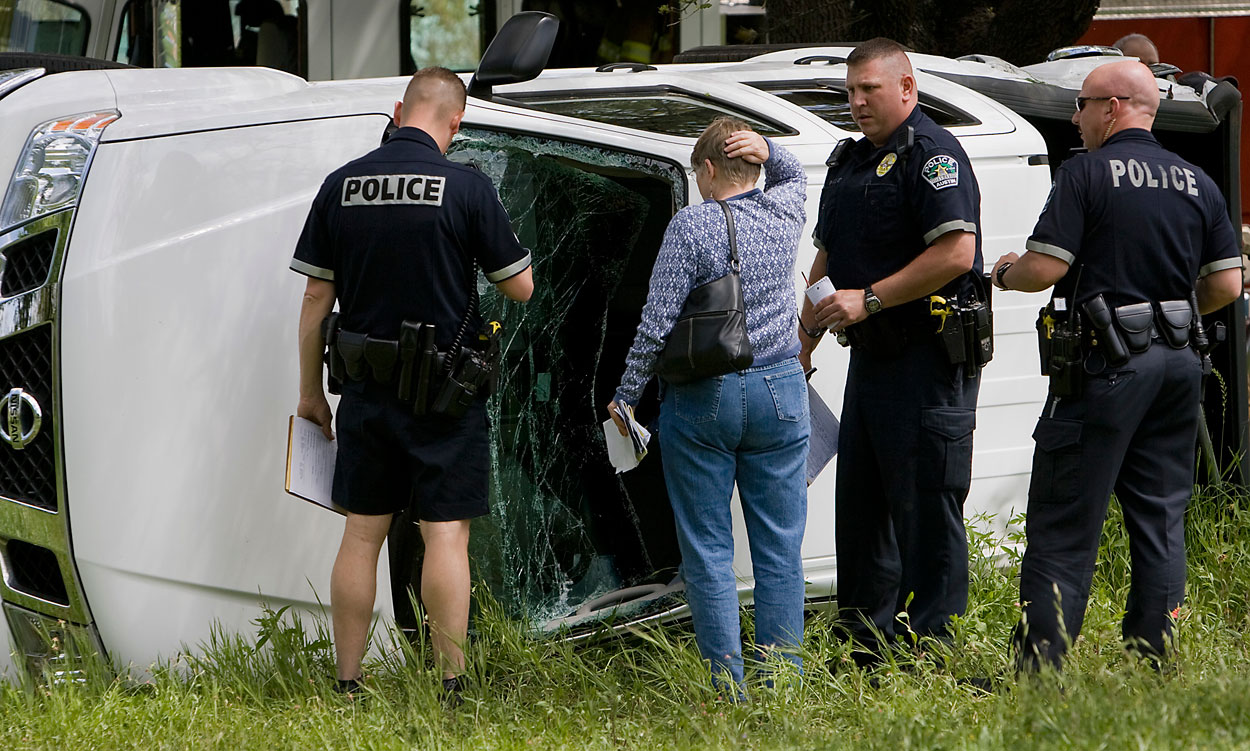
x: 28, y: 263
x: 34, y: 570
x: 29, y: 475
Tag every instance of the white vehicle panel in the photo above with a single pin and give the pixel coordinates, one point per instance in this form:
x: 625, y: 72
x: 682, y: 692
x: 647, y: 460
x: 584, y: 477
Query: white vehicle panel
x: 175, y: 406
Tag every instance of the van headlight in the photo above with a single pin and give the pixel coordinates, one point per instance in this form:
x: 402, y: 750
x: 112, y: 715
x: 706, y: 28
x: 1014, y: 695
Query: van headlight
x: 51, y: 168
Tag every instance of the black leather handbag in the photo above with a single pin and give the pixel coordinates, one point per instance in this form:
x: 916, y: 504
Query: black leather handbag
x: 710, y: 336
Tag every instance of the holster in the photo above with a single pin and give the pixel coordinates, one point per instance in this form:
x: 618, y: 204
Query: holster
x: 381, y: 355
x: 351, y: 347
x: 1175, y: 319
x: 332, y: 358
x: 1063, y: 357
x: 1106, y: 337
x: 1136, y: 321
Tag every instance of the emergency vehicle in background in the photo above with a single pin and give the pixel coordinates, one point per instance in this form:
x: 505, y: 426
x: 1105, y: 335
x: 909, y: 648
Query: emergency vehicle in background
x: 147, y: 322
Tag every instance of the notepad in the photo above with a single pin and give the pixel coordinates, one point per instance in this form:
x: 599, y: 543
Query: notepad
x: 310, y: 463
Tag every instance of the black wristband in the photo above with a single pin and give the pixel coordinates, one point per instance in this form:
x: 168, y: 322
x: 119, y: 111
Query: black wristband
x: 998, y: 275
x: 815, y: 333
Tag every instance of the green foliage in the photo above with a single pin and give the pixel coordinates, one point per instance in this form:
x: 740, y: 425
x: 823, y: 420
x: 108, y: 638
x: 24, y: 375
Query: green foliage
x: 649, y: 690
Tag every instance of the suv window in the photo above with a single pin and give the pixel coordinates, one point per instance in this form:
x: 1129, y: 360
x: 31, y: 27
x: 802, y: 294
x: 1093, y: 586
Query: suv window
x: 43, y: 26
x: 664, y: 111
x: 828, y: 102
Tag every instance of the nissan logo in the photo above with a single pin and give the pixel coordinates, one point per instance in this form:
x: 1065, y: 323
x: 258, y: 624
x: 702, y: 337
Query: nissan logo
x: 16, y: 434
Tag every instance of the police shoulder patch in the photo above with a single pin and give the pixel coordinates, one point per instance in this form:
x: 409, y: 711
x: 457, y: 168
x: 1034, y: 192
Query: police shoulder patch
x: 942, y: 171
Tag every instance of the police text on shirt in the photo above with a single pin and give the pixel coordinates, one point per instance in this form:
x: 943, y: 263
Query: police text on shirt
x: 382, y: 190
x: 1144, y: 174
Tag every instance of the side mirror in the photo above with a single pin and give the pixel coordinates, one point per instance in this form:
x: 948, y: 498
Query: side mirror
x: 518, y: 52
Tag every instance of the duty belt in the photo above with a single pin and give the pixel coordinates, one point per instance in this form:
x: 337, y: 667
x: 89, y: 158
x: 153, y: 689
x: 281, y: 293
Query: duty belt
x: 432, y: 381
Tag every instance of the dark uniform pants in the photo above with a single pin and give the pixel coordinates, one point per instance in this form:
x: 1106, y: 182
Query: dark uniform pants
x: 1133, y: 431
x: 904, y: 467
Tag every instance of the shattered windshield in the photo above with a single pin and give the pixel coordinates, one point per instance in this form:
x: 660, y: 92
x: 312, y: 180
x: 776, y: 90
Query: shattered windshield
x: 564, y: 528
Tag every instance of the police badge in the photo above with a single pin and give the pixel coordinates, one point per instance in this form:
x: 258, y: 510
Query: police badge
x: 887, y: 163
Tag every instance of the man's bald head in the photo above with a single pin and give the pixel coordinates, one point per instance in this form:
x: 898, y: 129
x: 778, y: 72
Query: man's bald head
x: 1138, y: 46
x: 1115, y: 97
x: 1126, y: 78
x: 433, y: 102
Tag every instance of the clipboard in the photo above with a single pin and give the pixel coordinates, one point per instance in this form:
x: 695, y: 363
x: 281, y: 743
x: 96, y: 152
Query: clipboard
x: 310, y: 463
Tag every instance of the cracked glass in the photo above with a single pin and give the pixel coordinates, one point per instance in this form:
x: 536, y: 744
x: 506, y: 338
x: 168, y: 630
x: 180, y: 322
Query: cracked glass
x: 565, y: 531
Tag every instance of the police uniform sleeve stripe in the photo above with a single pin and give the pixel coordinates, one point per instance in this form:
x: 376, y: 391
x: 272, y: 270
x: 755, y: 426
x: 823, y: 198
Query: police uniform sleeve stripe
x: 315, y: 272
x: 1050, y: 250
x: 951, y: 226
x: 509, y: 271
x: 1220, y: 265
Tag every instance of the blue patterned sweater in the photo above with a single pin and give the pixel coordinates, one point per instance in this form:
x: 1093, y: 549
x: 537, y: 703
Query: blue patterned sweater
x: 696, y: 251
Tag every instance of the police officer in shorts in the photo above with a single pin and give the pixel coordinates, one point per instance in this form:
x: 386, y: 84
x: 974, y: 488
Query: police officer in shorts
x: 899, y: 237
x: 1130, y: 232
x: 396, y: 236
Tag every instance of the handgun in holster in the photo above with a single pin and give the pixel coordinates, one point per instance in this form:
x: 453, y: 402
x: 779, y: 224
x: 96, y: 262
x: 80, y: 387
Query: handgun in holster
x: 461, y: 385
x: 1059, y: 343
x: 490, y: 341
x: 471, y: 373
x: 332, y: 358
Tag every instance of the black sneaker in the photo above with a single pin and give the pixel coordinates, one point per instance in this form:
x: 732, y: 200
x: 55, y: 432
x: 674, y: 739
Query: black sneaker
x: 352, y: 688
x: 452, y: 692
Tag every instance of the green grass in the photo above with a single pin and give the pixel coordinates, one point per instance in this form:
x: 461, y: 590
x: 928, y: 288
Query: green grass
x: 649, y: 690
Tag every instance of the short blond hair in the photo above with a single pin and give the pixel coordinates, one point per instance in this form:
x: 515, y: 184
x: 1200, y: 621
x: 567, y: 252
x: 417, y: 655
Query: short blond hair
x: 437, y: 88
x: 711, y: 146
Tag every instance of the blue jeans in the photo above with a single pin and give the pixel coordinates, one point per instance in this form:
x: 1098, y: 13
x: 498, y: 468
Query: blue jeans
x: 750, y: 427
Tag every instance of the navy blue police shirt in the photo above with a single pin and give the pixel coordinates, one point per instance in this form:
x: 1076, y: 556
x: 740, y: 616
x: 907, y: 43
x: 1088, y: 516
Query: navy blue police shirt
x: 880, y: 208
x: 398, y: 230
x: 1135, y: 222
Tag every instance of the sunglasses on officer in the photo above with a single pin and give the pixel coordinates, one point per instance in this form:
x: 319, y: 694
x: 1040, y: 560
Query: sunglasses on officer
x: 1081, y: 100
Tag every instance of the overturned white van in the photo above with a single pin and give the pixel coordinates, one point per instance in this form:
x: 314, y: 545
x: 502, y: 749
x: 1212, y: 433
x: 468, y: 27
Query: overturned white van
x: 147, y: 331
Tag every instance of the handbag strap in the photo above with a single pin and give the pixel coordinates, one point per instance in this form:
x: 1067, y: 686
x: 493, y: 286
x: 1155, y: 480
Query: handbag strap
x: 733, y: 237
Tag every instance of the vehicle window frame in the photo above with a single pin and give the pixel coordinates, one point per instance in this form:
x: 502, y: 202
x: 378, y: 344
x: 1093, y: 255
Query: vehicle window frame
x: 87, y: 21
x: 838, y: 86
x: 522, y: 99
x: 488, y: 26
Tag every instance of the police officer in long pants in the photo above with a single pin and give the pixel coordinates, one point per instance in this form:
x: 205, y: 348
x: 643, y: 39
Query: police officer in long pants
x: 1129, y: 233
x: 396, y: 236
x: 898, y: 236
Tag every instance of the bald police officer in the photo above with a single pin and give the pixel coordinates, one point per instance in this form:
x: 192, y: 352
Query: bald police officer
x: 396, y: 236
x: 899, y: 221
x: 1129, y: 232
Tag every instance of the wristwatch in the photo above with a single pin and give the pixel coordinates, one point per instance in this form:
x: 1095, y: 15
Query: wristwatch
x: 815, y: 333
x: 998, y: 275
x: 871, y: 303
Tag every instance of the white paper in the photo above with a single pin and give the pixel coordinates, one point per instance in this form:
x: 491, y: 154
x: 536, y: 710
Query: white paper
x: 310, y: 462
x: 820, y: 290
x: 823, y: 444
x: 625, y: 451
